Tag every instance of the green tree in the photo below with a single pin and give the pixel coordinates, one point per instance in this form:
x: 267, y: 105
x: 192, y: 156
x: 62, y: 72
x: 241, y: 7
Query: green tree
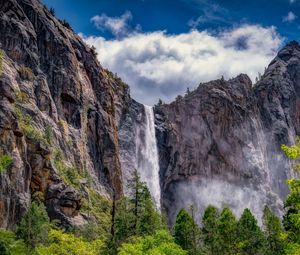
x: 291, y: 218
x: 9, y: 245
x: 273, y: 232
x: 251, y: 237
x: 210, y: 222
x: 186, y: 232
x: 160, y: 243
x: 34, y: 226
x: 61, y: 243
x: 227, y: 232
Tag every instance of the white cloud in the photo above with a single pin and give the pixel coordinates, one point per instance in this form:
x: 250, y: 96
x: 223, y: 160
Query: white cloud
x: 159, y: 65
x: 118, y: 26
x: 290, y: 17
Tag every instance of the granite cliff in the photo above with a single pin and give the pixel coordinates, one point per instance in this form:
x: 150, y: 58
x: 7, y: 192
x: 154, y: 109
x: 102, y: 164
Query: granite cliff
x: 220, y: 143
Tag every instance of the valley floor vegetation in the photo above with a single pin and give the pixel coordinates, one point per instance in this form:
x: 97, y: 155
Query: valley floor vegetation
x: 133, y: 226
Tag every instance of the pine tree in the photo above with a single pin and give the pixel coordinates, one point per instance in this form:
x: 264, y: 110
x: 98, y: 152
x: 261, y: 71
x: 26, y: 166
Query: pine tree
x: 273, y: 231
x: 227, y: 232
x: 34, y: 226
x: 251, y: 238
x: 210, y: 222
x: 186, y: 232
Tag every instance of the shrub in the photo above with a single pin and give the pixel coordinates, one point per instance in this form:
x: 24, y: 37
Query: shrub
x: 21, y: 97
x: 71, y: 175
x: 49, y: 134
x: 64, y: 244
x: 99, y: 207
x: 9, y: 245
x: 65, y: 24
x: 26, y: 73
x: 5, y: 162
x: 25, y: 122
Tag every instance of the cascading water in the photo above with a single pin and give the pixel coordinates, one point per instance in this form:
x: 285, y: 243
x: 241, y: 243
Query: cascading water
x: 147, y: 155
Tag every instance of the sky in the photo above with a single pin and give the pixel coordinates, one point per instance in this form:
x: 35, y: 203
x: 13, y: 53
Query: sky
x: 162, y: 47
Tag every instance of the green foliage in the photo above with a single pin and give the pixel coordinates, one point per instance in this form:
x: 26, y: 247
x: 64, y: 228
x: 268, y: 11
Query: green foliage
x: 160, y: 243
x: 227, y: 232
x: 1, y: 61
x: 210, y: 222
x: 25, y: 122
x: 293, y: 152
x: 61, y: 243
x: 9, y: 245
x: 49, y: 134
x: 187, y: 233
x: 71, y: 175
x: 291, y: 219
x: 251, y: 238
x: 99, y: 207
x: 5, y: 162
x: 21, y: 97
x: 34, y: 226
x: 273, y: 232
x: 26, y: 73
x: 135, y: 215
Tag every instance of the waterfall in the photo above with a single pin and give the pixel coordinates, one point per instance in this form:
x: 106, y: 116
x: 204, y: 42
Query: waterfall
x: 147, y: 155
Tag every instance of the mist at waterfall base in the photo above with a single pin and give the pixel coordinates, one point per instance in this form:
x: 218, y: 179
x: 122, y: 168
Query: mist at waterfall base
x: 147, y: 162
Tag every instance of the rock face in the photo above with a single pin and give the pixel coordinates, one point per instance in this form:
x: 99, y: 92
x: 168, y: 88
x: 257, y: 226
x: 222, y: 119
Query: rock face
x: 220, y: 144
x: 55, y: 99
x: 62, y: 115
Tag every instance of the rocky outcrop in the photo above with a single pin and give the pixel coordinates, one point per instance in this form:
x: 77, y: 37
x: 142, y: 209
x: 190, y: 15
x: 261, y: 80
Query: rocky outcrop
x: 220, y: 144
x: 55, y: 98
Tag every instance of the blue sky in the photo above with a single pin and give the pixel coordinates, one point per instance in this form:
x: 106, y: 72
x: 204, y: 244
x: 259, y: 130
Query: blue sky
x: 161, y: 47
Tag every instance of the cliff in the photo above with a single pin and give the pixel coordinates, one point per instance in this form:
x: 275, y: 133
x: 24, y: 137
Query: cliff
x: 220, y: 144
x: 59, y: 112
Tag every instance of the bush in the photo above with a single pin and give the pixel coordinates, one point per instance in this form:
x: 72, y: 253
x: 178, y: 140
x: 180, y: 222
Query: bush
x: 21, y: 97
x: 99, y: 207
x: 26, y: 73
x: 65, y: 244
x: 65, y: 24
x: 25, y: 122
x: 5, y: 162
x: 71, y: 175
x: 160, y: 243
x: 9, y: 245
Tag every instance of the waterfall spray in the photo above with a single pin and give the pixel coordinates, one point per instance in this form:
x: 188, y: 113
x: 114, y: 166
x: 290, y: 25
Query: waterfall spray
x: 147, y: 155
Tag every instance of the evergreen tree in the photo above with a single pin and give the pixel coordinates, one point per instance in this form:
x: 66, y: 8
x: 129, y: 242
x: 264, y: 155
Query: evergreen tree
x: 273, y: 232
x: 186, y: 232
x: 251, y: 238
x: 210, y: 222
x: 227, y: 231
x: 34, y: 226
x: 135, y: 215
